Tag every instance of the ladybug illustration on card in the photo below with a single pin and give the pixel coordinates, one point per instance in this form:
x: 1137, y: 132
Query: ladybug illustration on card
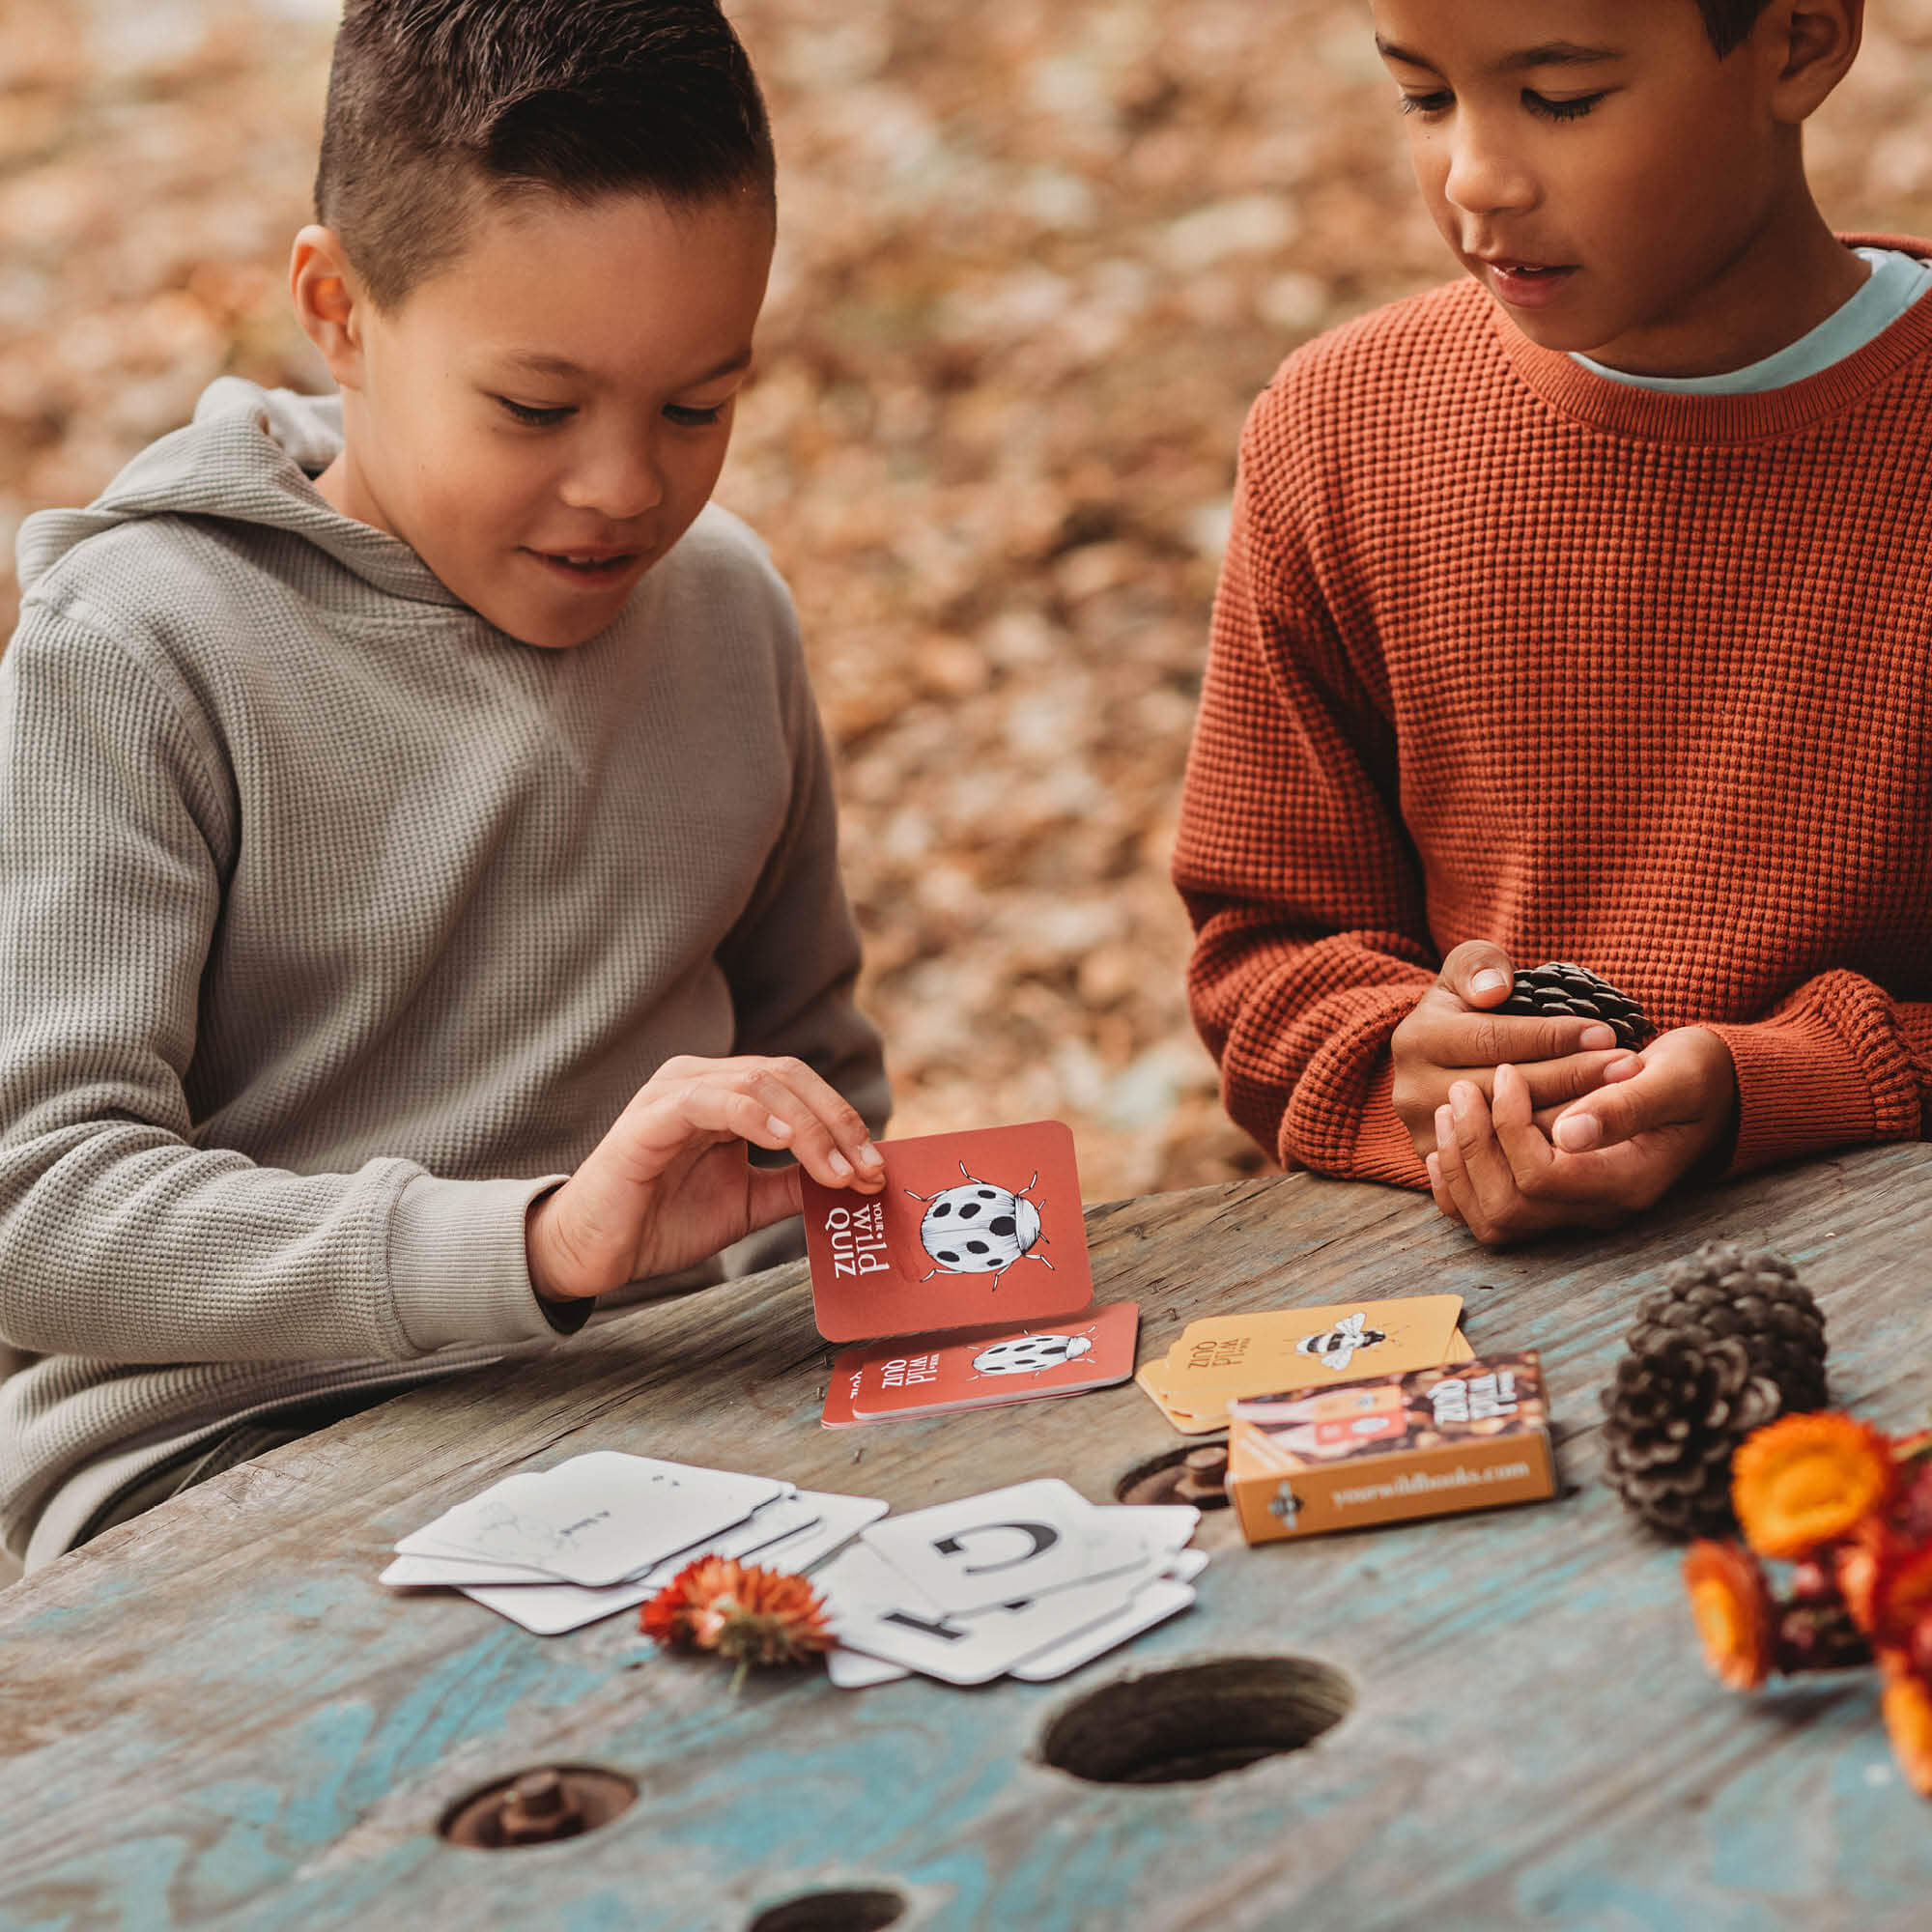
x: 973, y: 1230
x: 932, y: 1375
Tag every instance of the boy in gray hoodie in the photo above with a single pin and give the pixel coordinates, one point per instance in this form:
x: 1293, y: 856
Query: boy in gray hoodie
x: 417, y: 862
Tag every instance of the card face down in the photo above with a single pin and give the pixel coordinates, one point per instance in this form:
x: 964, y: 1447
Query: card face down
x: 975, y: 1230
x: 932, y: 1375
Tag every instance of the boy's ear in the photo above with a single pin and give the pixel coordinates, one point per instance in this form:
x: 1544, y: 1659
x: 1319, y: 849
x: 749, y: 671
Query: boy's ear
x: 329, y: 301
x: 1811, y: 44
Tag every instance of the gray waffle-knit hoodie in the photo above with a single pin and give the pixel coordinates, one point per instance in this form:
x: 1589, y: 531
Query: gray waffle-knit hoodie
x: 335, y: 924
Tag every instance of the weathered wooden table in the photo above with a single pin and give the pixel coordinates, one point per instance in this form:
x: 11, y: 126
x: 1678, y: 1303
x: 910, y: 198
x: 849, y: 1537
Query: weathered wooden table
x: 217, y: 1717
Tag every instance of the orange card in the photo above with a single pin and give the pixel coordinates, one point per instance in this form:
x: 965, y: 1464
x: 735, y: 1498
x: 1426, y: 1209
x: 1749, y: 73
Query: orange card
x: 1266, y: 1352
x: 974, y: 1231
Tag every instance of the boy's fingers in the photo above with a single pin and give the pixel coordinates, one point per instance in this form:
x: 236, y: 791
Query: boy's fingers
x: 772, y: 1194
x: 1530, y: 1156
x: 1439, y: 1188
x: 1491, y: 1191
x: 805, y: 1116
x: 1448, y: 1037
x: 1478, y: 973
x: 1619, y: 1113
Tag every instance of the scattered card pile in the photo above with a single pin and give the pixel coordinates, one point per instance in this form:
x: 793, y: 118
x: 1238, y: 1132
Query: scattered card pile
x: 1030, y: 1581
x: 603, y: 1531
x: 934, y: 1375
x: 1228, y: 1359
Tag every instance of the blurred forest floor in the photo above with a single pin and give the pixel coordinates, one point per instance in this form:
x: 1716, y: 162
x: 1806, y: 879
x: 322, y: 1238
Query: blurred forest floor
x: 1037, y: 258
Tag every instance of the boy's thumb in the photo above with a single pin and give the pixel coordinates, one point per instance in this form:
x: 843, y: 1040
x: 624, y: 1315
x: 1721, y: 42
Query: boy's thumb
x: 1478, y: 973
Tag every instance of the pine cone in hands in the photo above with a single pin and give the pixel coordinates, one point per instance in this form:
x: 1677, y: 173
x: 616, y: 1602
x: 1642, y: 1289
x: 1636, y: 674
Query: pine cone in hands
x: 1731, y: 1342
x: 1557, y: 987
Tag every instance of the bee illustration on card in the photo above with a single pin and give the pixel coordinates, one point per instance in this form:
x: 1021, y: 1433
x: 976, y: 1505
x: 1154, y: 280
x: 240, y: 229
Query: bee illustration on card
x: 981, y: 1228
x: 1335, y: 1348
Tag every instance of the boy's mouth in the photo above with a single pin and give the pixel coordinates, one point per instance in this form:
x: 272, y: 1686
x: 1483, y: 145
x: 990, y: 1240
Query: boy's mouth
x: 588, y: 566
x: 1527, y: 284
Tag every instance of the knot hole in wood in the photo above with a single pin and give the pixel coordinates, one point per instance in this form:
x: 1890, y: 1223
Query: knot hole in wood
x: 1198, y: 1720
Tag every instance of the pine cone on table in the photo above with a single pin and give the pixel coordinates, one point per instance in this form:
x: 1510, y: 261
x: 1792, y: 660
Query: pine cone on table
x: 1558, y: 987
x: 1732, y: 1340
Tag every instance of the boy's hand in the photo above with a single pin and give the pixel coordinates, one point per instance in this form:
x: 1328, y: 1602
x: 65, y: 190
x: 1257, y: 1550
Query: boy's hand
x: 1614, y: 1151
x: 1452, y: 1035
x: 670, y: 1182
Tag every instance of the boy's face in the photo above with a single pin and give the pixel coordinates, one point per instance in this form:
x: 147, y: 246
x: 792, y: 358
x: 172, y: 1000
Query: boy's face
x: 542, y: 419
x: 1596, y: 166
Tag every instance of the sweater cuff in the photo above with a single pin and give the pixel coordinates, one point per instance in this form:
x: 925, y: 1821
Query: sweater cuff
x: 1800, y: 1090
x: 1384, y: 1148
x: 458, y: 1271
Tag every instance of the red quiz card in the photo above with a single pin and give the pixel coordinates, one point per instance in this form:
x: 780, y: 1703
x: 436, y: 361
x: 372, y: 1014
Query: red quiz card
x: 932, y: 1375
x: 973, y: 1230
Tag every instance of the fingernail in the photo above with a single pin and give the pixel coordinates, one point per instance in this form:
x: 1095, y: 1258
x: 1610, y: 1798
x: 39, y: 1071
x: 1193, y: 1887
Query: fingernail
x: 839, y: 1164
x: 1576, y: 1133
x: 871, y: 1157
x: 1488, y: 980
x: 1442, y: 1123
x: 1459, y: 1099
x: 774, y: 1125
x: 1596, y: 1036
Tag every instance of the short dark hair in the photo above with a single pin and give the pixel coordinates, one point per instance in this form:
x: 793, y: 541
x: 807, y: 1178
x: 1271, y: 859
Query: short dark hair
x: 437, y: 105
x: 1729, y: 22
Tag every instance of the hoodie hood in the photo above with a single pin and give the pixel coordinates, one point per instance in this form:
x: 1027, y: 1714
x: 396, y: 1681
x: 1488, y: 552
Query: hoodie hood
x: 248, y: 457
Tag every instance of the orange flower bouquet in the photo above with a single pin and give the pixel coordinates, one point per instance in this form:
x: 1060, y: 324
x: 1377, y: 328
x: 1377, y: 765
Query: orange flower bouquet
x: 1850, y: 1509
x: 743, y: 1612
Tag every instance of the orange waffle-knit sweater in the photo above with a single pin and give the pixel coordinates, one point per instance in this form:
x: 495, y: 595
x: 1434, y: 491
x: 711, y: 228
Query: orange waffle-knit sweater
x: 1503, y: 650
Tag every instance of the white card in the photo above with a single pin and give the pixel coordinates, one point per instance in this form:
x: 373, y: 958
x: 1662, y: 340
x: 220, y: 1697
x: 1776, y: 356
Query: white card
x: 456, y: 1573
x: 1186, y: 1566
x: 840, y: 1519
x: 852, y: 1670
x: 1154, y: 1605
x: 1168, y: 1526
x: 978, y: 1648
x: 763, y: 1538
x: 597, y: 1519
x: 1006, y: 1545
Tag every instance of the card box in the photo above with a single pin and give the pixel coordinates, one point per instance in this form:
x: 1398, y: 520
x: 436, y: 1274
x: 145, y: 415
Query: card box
x: 1430, y: 1442
x: 975, y: 1230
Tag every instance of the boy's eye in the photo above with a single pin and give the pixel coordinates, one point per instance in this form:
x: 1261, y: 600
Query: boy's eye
x: 534, y: 416
x: 1572, y: 109
x: 1438, y: 102
x: 687, y: 418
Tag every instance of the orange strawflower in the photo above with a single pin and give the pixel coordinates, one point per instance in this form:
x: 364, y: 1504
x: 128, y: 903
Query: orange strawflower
x: 1807, y: 1480
x: 1734, y: 1612
x: 751, y: 1615
x: 1908, y: 1722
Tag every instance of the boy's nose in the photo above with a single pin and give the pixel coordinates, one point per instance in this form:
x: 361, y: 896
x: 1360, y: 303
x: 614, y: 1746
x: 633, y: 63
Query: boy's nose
x: 1483, y: 177
x: 617, y: 483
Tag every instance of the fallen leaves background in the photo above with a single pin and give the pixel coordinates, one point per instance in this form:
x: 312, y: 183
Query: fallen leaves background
x: 1036, y: 259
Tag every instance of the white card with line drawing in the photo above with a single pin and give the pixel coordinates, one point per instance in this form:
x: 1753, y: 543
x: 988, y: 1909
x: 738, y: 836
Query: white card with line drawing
x: 976, y: 1648
x: 1153, y: 1603
x: 596, y: 1518
x: 1025, y: 1541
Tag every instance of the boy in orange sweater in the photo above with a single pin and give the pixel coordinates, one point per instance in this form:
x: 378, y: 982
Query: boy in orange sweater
x: 1577, y: 610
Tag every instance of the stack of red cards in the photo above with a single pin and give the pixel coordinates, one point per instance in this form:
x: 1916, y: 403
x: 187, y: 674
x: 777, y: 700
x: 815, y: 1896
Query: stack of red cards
x: 959, y: 1279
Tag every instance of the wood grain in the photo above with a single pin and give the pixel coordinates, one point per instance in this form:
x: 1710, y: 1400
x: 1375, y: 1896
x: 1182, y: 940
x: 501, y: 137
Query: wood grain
x: 216, y: 1714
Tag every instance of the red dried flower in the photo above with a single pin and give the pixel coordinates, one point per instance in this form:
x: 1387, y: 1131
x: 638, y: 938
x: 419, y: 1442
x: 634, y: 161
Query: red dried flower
x: 1735, y: 1615
x: 743, y: 1612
